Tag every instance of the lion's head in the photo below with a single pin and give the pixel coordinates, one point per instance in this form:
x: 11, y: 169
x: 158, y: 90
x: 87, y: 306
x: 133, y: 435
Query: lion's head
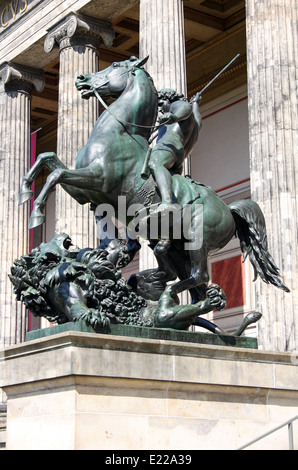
x: 89, y: 274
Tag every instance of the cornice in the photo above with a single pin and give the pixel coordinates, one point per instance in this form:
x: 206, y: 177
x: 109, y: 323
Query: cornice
x: 77, y: 30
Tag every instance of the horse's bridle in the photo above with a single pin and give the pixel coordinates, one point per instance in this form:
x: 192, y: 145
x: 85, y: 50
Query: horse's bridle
x: 94, y: 90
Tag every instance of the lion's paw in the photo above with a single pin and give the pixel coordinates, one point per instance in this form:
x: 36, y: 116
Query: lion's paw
x: 216, y: 296
x: 94, y: 318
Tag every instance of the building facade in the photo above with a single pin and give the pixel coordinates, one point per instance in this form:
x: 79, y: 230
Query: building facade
x: 247, y: 146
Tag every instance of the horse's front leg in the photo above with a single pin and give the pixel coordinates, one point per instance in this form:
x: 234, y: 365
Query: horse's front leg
x: 46, y: 159
x: 75, y: 182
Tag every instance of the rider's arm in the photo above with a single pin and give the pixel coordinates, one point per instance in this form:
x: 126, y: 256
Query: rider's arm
x: 179, y: 111
x: 195, y: 100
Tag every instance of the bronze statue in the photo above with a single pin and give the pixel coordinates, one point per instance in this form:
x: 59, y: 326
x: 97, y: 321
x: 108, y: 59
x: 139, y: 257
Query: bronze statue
x: 110, y: 165
x: 63, y: 283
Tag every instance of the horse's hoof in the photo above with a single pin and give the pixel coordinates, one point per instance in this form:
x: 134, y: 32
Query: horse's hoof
x: 25, y: 196
x: 35, y: 221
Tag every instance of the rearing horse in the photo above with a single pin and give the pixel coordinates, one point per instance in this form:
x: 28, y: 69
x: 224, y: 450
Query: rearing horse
x: 110, y: 165
x: 111, y: 161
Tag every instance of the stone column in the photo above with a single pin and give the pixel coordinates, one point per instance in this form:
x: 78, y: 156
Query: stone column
x: 162, y: 38
x: 271, y: 55
x: 16, y: 85
x: 78, y: 39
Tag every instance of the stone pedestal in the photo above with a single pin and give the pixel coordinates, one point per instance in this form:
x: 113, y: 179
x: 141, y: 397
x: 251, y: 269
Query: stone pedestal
x: 133, y: 331
x: 78, y: 390
x: 272, y: 107
x: 16, y: 85
x: 78, y: 38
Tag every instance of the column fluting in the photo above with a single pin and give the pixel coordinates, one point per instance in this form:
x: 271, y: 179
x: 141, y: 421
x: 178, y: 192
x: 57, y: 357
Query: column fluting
x: 78, y: 38
x: 272, y: 100
x: 16, y: 85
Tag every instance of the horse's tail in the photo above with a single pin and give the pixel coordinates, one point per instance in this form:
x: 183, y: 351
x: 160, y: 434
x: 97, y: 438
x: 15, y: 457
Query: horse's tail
x: 251, y: 231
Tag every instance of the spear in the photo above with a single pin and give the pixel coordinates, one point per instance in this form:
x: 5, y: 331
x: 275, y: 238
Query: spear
x: 145, y: 172
x: 219, y: 73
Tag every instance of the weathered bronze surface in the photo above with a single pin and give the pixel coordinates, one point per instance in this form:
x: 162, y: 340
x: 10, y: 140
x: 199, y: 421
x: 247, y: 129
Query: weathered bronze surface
x: 64, y: 284
x: 111, y: 164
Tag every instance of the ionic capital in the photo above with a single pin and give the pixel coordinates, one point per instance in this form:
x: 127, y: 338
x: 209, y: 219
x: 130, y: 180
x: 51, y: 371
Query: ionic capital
x: 76, y: 30
x: 15, y: 77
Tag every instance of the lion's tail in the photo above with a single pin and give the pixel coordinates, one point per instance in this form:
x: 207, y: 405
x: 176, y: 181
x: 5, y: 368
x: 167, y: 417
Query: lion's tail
x: 251, y: 231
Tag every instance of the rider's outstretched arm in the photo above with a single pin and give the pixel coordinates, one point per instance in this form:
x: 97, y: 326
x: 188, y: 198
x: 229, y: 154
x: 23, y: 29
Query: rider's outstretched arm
x: 195, y: 100
x: 179, y: 111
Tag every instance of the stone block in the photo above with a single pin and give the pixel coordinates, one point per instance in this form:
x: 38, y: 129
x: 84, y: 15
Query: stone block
x: 78, y: 390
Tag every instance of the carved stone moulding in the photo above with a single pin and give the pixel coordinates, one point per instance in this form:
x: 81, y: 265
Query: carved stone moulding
x: 14, y: 77
x: 78, y: 30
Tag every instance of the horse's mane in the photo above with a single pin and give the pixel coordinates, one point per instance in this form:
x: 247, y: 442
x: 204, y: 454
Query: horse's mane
x: 35, y: 277
x: 28, y: 277
x: 155, y: 93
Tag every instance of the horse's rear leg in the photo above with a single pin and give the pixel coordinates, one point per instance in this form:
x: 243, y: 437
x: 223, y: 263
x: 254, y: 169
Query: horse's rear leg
x: 172, y: 315
x: 48, y: 160
x: 199, y: 272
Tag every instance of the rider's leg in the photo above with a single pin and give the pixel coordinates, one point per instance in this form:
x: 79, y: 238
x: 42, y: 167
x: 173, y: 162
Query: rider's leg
x: 160, y: 162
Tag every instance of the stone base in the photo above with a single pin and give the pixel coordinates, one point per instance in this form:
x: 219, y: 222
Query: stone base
x: 150, y: 333
x: 81, y: 390
x: 3, y: 409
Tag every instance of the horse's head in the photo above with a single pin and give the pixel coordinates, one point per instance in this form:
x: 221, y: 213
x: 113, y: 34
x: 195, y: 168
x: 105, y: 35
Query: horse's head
x: 111, y: 81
